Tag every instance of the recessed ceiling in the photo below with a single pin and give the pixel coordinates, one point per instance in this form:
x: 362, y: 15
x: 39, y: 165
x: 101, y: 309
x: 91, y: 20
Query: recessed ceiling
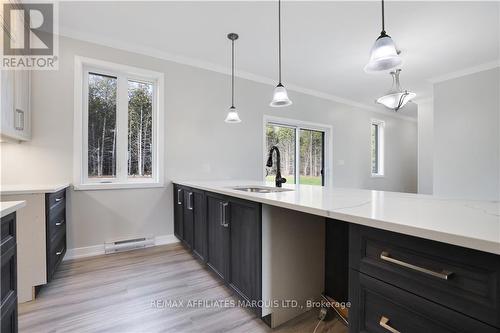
x: 325, y: 44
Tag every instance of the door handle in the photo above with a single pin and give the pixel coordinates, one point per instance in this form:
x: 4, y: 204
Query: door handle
x: 179, y: 192
x: 190, y: 201
x: 224, y: 222
x: 60, y: 223
x: 444, y: 275
x: 19, y: 120
x: 384, y: 322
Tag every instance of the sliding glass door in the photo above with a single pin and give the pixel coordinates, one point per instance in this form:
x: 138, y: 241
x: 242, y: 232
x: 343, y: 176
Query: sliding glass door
x: 302, y: 153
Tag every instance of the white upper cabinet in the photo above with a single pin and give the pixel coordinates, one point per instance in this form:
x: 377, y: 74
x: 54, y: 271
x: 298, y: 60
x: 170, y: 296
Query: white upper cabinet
x: 15, y: 89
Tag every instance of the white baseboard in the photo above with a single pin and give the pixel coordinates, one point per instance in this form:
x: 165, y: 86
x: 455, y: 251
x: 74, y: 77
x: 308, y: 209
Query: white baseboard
x: 95, y: 250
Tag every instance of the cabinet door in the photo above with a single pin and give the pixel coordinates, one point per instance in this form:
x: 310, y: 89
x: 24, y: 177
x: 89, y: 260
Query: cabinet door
x: 188, y: 219
x: 218, y: 235
x: 245, y: 263
x: 200, y: 225
x: 7, y: 102
x: 178, y: 212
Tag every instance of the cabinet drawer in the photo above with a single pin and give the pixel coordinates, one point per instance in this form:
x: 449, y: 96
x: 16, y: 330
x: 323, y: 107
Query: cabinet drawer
x: 8, y: 279
x: 380, y: 307
x: 8, y: 231
x: 8, y: 313
x: 56, y: 223
x: 55, y: 199
x: 55, y: 253
x: 465, y: 280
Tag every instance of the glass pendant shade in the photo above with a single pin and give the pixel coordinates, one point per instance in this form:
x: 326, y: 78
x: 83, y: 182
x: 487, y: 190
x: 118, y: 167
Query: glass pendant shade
x: 280, y: 97
x: 232, y: 116
x: 383, y: 55
x: 396, y: 98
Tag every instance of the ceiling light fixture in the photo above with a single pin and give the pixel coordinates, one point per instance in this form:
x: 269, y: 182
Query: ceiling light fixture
x: 396, y: 98
x: 232, y: 115
x: 383, y: 55
x: 280, y: 95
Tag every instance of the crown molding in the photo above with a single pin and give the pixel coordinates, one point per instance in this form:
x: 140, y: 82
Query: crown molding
x: 465, y: 71
x: 155, y: 53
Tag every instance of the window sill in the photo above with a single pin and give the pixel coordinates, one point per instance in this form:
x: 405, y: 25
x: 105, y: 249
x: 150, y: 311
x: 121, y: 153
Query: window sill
x: 115, y: 186
x: 378, y: 176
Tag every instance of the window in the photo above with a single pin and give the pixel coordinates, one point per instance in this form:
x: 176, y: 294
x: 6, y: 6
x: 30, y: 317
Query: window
x: 302, y: 147
x: 377, y: 148
x: 118, y: 126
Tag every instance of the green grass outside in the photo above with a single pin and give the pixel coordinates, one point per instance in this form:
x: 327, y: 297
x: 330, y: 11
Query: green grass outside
x: 306, y: 180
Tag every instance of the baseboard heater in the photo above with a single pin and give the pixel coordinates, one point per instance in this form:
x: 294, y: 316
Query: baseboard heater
x: 128, y: 244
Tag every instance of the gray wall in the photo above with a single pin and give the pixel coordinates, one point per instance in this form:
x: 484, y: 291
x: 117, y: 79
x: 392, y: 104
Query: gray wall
x: 198, y: 144
x: 467, y: 136
x: 425, y: 147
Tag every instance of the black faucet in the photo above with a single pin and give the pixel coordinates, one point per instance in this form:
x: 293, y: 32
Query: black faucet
x: 279, y: 180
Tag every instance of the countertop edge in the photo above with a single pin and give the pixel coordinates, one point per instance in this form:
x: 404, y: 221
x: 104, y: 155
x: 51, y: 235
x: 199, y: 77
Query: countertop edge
x: 35, y: 190
x: 435, y: 235
x: 12, y: 207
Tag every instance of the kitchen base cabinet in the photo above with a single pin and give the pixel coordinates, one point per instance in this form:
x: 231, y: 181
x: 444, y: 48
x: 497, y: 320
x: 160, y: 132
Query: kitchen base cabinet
x: 8, y: 288
x: 55, y: 210
x: 225, y: 233
x: 411, y: 284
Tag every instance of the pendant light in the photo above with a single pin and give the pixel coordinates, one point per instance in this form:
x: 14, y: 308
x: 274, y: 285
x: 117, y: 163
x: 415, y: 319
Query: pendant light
x: 383, y: 55
x: 232, y: 115
x: 280, y: 95
x: 396, y: 98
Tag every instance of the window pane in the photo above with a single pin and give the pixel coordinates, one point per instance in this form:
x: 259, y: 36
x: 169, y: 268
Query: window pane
x: 284, y: 139
x: 311, y: 157
x: 374, y: 148
x: 102, y: 126
x: 140, y: 129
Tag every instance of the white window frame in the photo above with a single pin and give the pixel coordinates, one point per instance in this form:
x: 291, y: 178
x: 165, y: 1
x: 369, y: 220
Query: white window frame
x: 380, y: 149
x: 298, y: 125
x: 123, y: 73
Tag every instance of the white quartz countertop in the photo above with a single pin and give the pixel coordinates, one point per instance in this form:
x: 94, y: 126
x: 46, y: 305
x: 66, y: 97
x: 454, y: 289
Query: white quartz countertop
x: 7, y: 207
x: 471, y: 224
x: 31, y: 188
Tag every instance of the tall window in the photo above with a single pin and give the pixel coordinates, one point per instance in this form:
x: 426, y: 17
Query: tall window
x: 302, y: 148
x: 377, y: 148
x: 120, y: 123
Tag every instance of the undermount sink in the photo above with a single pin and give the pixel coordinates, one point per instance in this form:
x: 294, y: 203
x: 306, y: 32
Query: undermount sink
x: 261, y: 189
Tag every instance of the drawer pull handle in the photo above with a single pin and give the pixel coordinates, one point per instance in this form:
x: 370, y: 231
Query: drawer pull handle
x: 190, y: 201
x: 60, y: 223
x: 58, y: 199
x: 384, y: 322
x: 179, y: 195
x: 60, y: 252
x: 444, y: 275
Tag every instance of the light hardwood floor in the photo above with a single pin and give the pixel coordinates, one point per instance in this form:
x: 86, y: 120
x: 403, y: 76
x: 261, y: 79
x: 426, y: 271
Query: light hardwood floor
x: 116, y: 293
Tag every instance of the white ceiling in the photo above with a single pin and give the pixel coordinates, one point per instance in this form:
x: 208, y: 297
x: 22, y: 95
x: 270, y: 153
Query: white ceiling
x: 325, y: 44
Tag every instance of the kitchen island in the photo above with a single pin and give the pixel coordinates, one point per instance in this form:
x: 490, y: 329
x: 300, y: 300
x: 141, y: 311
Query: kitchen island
x: 406, y: 261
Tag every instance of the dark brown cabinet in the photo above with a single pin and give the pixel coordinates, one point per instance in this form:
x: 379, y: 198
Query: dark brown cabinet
x: 412, y: 284
x: 225, y: 233
x: 190, y: 219
x: 55, y: 210
x: 8, y: 279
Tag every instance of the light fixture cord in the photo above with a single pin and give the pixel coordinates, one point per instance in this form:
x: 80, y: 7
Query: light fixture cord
x: 232, y: 73
x: 279, y: 40
x: 383, y: 18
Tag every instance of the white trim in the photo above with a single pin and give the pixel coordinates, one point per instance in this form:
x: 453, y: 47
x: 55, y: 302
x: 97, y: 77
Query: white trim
x: 116, y: 186
x: 465, y: 71
x: 380, y: 148
x: 152, y: 52
x: 82, y: 66
x: 96, y: 250
x: 300, y: 124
